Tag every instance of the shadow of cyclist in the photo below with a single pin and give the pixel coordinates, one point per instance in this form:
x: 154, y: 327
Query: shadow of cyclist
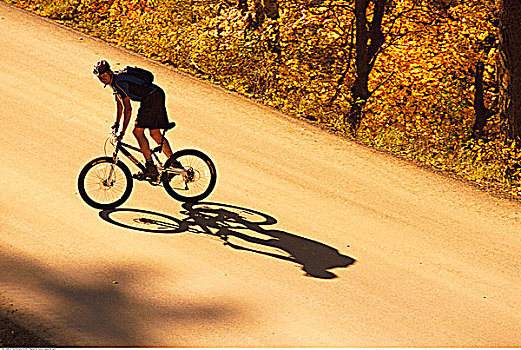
x: 242, y: 225
x: 316, y: 258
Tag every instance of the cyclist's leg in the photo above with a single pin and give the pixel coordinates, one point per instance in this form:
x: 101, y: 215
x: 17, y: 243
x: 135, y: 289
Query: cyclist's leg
x: 157, y: 135
x: 142, y: 140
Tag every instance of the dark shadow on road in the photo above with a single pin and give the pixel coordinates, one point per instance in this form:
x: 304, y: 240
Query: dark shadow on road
x: 12, y: 334
x: 239, y: 228
x: 95, y: 304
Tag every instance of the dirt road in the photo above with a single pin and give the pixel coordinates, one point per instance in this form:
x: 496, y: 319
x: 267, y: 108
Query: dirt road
x: 331, y: 244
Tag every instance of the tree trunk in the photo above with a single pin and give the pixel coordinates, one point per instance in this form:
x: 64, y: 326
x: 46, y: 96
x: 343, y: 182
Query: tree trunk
x: 272, y: 12
x: 242, y: 5
x: 271, y: 8
x: 509, y: 68
x: 481, y: 111
x: 369, y: 40
x: 268, y: 9
x: 265, y: 8
x: 260, y: 14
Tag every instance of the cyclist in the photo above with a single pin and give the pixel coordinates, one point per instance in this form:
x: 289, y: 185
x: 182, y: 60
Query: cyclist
x: 151, y: 115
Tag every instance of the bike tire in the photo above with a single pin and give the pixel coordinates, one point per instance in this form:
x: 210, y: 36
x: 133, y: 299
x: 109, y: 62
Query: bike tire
x: 93, y: 187
x: 197, y: 188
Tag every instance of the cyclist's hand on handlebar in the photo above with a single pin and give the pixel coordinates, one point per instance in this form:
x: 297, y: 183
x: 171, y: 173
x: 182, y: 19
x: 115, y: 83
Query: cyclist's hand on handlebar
x: 119, y: 136
x: 115, y: 127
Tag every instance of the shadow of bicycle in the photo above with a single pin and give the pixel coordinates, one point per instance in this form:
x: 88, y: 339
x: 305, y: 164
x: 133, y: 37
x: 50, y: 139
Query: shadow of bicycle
x: 239, y: 228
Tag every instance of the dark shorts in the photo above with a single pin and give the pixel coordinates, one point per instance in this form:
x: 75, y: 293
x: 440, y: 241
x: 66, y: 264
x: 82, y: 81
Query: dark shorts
x: 152, y: 111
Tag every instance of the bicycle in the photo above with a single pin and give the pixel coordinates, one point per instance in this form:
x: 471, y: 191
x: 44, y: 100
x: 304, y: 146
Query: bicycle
x: 106, y: 182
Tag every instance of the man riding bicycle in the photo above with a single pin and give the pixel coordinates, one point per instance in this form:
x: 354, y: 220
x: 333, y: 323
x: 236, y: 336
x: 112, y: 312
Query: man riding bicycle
x: 151, y: 115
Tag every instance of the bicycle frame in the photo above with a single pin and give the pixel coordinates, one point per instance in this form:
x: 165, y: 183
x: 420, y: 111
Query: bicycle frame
x: 188, y: 175
x: 123, y: 148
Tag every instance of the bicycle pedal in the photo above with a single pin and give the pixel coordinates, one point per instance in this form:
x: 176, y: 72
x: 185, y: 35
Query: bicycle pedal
x: 142, y: 177
x: 139, y: 176
x: 154, y: 182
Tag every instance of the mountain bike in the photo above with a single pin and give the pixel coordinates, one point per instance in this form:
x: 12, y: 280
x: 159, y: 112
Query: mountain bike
x: 106, y: 182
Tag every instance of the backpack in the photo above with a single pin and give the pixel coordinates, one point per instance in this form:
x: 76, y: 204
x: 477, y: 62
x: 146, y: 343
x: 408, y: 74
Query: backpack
x: 140, y: 73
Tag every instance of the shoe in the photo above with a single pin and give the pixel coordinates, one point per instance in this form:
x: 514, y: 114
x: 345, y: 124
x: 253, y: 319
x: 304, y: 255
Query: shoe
x: 174, y: 163
x: 150, y: 173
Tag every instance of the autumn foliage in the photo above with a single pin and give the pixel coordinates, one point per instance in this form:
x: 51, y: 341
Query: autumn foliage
x: 300, y: 58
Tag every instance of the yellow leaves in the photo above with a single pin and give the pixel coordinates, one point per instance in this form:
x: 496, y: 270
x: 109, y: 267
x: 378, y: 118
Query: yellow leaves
x: 422, y: 107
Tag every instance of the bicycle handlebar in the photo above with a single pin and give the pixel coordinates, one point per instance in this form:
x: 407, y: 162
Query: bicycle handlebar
x: 115, y: 135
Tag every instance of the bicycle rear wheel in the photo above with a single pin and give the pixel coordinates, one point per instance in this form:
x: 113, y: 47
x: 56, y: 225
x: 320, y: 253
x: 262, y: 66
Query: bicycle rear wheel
x: 196, y: 183
x: 104, y: 184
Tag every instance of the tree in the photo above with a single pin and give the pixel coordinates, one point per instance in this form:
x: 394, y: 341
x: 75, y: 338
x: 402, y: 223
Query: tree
x: 263, y: 9
x: 509, y: 67
x: 481, y: 112
x: 268, y: 9
x: 242, y: 5
x: 369, y: 40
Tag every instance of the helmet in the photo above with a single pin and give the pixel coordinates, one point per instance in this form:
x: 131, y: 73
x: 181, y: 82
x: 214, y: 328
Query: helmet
x: 101, y: 67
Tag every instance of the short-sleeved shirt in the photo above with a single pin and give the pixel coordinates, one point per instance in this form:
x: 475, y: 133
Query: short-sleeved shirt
x: 126, y: 85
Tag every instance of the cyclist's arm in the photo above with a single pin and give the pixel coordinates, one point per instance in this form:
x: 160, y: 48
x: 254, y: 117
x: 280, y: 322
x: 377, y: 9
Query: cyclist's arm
x: 119, y: 109
x: 123, y: 108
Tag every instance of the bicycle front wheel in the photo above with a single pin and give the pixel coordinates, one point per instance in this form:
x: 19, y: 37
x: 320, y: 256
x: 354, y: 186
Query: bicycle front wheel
x: 104, y: 184
x: 197, y: 180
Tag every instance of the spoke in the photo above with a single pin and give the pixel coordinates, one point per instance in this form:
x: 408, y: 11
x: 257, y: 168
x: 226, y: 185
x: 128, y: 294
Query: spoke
x: 195, y: 185
x: 98, y: 186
